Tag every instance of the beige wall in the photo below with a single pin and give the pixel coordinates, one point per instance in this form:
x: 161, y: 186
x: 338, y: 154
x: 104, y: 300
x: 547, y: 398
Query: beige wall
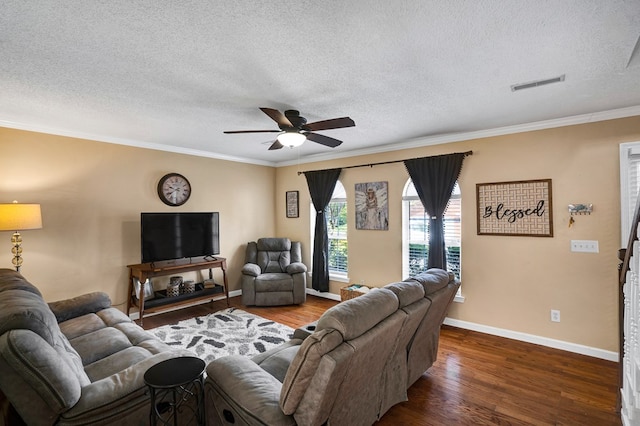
x: 508, y: 282
x: 91, y: 195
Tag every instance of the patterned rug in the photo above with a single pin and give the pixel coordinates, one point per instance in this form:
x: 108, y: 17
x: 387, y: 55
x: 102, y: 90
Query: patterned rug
x: 228, y: 332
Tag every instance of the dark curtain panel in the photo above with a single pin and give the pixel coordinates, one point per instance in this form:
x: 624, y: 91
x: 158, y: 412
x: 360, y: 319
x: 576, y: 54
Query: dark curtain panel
x: 321, y: 185
x: 434, y: 179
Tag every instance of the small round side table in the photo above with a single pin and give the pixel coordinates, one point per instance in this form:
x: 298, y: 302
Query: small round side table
x: 177, y: 387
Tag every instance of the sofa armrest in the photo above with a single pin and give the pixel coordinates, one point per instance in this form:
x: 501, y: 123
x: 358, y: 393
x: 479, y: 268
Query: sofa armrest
x: 251, y: 269
x: 115, y: 397
x: 81, y: 305
x: 296, y: 268
x: 246, y: 390
x: 305, y: 331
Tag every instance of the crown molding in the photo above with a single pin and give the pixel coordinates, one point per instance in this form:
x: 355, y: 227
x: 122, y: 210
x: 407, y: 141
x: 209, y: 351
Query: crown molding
x: 479, y: 134
x: 397, y: 146
x: 130, y: 142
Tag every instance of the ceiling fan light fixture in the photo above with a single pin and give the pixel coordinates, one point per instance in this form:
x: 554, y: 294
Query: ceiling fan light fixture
x: 291, y: 139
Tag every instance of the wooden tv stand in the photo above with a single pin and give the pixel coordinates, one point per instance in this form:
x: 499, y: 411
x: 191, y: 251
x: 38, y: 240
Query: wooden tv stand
x: 144, y: 271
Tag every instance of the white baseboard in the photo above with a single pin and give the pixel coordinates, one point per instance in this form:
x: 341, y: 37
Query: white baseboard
x: 324, y: 294
x: 136, y: 315
x: 538, y: 340
x: 509, y: 334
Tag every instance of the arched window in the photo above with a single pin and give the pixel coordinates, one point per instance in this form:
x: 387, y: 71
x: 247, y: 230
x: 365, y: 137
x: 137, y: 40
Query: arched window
x: 337, y: 229
x: 415, y: 232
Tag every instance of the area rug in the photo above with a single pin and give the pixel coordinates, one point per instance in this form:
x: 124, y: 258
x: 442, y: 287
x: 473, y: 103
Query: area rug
x: 228, y: 332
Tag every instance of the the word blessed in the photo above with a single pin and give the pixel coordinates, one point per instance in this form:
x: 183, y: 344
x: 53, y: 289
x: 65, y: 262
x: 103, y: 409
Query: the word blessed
x: 511, y: 215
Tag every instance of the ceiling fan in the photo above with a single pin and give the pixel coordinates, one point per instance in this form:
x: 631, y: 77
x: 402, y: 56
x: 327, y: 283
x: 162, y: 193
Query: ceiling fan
x: 294, y: 129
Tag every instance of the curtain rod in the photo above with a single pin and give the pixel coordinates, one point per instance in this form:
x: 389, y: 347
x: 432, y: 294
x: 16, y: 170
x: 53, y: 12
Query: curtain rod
x: 466, y: 154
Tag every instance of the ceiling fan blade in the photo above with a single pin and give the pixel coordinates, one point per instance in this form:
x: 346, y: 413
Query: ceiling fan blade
x: 276, y: 145
x: 277, y: 116
x: 323, y: 140
x: 334, y: 123
x: 252, y: 131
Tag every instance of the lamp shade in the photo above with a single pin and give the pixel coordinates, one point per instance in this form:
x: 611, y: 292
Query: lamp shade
x: 291, y: 139
x: 18, y: 217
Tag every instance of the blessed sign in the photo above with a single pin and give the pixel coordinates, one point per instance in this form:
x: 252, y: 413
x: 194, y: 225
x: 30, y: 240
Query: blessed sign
x: 515, y: 208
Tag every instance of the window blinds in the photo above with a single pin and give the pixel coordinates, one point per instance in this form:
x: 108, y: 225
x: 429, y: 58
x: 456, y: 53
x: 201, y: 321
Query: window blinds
x: 629, y: 185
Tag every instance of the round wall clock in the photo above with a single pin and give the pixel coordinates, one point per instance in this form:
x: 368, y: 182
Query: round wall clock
x: 174, y: 189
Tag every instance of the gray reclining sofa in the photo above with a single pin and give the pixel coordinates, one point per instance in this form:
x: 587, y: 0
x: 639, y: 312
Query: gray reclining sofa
x: 349, y: 368
x: 73, y: 362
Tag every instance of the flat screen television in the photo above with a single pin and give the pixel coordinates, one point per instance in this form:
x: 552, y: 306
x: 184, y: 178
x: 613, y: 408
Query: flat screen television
x: 169, y: 236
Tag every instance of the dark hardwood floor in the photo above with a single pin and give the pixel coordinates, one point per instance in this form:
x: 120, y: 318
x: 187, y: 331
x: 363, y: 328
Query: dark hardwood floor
x: 478, y: 379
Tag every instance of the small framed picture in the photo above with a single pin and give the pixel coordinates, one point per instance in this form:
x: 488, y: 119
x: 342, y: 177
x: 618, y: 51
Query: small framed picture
x: 292, y: 204
x: 372, y: 208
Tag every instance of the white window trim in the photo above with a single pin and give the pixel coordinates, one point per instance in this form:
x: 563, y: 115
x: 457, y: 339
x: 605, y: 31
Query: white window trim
x: 336, y: 276
x: 627, y: 151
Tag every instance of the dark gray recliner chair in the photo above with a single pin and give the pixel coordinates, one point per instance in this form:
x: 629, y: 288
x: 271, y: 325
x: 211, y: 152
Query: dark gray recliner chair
x: 274, y: 273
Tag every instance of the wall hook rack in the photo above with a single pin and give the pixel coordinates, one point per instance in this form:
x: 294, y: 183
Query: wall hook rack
x: 580, y: 209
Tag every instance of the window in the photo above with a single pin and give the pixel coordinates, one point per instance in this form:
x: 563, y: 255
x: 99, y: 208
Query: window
x: 629, y: 184
x: 337, y: 230
x: 415, y: 238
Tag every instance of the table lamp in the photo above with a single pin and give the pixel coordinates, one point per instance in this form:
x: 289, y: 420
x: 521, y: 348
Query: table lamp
x: 19, y: 217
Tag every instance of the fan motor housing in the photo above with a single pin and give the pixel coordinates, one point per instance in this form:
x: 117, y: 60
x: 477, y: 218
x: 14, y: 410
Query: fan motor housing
x: 294, y: 117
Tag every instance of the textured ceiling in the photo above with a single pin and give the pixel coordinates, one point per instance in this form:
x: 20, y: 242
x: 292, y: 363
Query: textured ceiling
x: 175, y: 75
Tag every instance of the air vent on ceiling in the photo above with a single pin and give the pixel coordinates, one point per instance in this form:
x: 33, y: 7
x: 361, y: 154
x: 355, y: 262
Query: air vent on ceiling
x: 538, y: 83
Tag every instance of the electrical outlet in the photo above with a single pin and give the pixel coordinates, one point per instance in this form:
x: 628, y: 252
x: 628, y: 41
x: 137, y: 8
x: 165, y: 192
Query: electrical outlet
x: 584, y: 246
x: 555, y: 315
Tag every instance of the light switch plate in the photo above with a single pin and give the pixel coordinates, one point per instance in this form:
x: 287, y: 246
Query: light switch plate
x: 584, y: 246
